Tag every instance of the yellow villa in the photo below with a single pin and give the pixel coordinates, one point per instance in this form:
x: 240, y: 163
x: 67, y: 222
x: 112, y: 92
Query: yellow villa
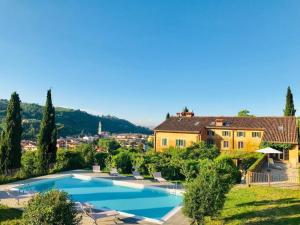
x: 229, y: 133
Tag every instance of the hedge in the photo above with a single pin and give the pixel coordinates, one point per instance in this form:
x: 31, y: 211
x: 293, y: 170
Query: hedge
x: 258, y: 163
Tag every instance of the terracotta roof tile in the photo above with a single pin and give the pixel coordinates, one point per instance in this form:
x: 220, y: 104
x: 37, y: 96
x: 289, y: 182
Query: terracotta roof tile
x: 276, y: 129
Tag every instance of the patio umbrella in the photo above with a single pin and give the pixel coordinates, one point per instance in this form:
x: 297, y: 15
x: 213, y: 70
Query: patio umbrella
x: 268, y: 151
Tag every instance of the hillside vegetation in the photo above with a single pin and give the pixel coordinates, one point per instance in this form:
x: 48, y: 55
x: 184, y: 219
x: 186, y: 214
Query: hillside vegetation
x: 70, y: 122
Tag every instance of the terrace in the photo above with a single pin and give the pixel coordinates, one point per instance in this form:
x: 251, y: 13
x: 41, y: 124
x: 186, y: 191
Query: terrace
x: 13, y: 202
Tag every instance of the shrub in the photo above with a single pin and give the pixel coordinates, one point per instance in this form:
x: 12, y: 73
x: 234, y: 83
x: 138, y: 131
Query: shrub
x: 258, y: 163
x: 278, y: 146
x: 50, y: 208
x: 109, y: 145
x: 170, y: 168
x: 205, y: 196
x: 202, y: 150
x: 28, y: 163
x: 172, y: 171
x: 100, y: 158
x: 246, y: 159
x: 68, y: 160
x: 109, y: 162
x: 4, y: 179
x: 140, y: 163
x: 190, y: 169
x: 123, y: 162
x: 229, y: 172
x: 88, y: 152
x: 167, y: 162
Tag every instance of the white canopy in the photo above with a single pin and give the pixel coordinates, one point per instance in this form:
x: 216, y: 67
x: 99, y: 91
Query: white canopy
x: 269, y: 150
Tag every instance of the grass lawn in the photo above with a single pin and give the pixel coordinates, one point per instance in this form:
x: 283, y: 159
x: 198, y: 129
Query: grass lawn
x: 260, y: 206
x: 9, y: 216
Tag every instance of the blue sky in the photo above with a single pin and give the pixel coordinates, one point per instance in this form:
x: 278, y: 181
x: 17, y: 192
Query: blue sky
x: 141, y: 59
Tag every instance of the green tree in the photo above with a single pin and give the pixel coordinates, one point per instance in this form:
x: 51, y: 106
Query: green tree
x: 201, y: 150
x: 50, y: 208
x: 28, y: 162
x: 189, y: 169
x: 4, y: 159
x: 11, y: 137
x: 88, y: 152
x: 244, y: 113
x: 109, y: 145
x: 69, y: 160
x: 168, y: 116
x: 47, y: 137
x: 123, y: 161
x: 185, y: 109
x: 289, y: 104
x: 205, y: 196
x: 230, y: 174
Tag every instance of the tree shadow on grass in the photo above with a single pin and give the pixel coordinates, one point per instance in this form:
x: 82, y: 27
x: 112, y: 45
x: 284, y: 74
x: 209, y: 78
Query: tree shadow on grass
x: 279, y: 221
x: 270, y: 202
x: 9, y: 214
x: 277, y: 215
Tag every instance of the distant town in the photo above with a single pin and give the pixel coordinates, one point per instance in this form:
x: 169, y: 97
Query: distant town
x: 128, y: 140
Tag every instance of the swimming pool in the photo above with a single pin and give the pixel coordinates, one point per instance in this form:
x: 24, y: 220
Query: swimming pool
x: 153, y: 203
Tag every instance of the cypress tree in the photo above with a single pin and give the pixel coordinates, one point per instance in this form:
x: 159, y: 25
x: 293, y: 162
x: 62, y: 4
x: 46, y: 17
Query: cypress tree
x: 11, y: 137
x: 3, y: 155
x: 289, y: 104
x: 47, y: 137
x: 185, y: 109
x: 167, y: 116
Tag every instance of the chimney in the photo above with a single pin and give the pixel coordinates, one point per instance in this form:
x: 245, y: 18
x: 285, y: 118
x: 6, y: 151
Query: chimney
x: 219, y: 122
x: 185, y: 114
x: 189, y: 114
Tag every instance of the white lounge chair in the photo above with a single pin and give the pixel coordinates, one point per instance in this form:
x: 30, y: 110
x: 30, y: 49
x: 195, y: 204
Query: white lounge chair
x: 157, y: 176
x: 96, y: 169
x: 82, y: 207
x: 137, y: 175
x: 114, y: 172
x: 271, y: 162
x: 110, y: 215
x: 13, y: 194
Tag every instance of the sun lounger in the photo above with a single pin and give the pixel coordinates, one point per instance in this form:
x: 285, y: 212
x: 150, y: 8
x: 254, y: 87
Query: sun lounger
x: 110, y: 215
x: 157, y: 176
x: 82, y: 207
x: 96, y: 169
x: 13, y: 194
x: 271, y: 162
x: 137, y: 175
x: 114, y: 172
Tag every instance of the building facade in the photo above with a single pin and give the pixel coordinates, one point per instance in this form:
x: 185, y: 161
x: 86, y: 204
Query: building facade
x: 229, y: 133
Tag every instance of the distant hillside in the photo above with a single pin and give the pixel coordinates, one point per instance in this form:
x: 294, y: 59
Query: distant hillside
x: 70, y: 122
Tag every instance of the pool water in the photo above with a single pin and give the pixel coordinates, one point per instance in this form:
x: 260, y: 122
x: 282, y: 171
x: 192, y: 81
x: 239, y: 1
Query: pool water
x: 147, y: 202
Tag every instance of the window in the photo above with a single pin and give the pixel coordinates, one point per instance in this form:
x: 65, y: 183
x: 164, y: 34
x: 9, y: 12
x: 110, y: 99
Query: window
x: 225, y: 144
x: 210, y: 133
x: 256, y: 134
x: 240, y: 134
x: 240, y: 145
x: 164, y: 141
x: 226, y: 133
x: 210, y: 141
x: 180, y: 143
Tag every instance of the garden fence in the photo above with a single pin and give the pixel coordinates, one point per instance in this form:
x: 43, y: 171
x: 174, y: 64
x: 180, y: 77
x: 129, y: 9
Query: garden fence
x: 269, y: 178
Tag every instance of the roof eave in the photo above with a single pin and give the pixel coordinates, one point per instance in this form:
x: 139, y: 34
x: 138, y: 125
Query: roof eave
x: 178, y: 131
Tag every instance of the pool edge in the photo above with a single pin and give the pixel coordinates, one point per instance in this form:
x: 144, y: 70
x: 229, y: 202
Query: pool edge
x: 119, y: 183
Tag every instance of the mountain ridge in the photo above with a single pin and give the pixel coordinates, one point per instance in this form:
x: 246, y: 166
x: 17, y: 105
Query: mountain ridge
x: 70, y: 122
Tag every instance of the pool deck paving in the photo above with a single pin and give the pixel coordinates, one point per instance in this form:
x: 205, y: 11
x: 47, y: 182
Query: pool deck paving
x: 11, y: 201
